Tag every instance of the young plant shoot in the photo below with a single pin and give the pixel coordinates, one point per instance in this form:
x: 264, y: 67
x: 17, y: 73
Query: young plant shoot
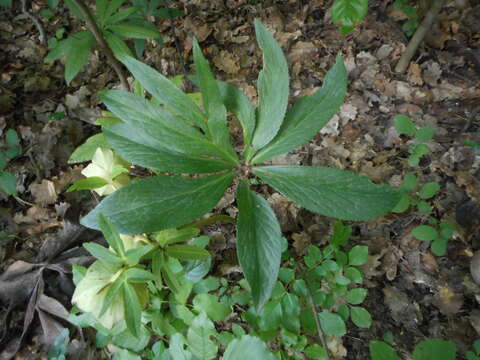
x: 170, y: 133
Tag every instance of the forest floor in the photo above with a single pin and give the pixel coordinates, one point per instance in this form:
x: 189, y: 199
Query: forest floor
x: 412, y: 293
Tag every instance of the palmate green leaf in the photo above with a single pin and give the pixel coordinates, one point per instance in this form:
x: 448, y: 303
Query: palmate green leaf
x: 134, y: 31
x: 239, y: 104
x: 348, y: 13
x: 199, y: 338
x: 137, y: 146
x: 259, y: 245
x: 166, y: 92
x: 216, y: 111
x: 113, y: 6
x: 158, y: 124
x: 102, y: 253
x: 435, y: 349
x: 272, y: 87
x: 100, y: 9
x: 148, y: 205
x: 247, y: 347
x: 331, y: 192
x: 77, y: 55
x: 137, y: 275
x: 74, y: 9
x: 309, y: 114
x: 112, y: 292
x: 133, y: 309
x: 133, y: 256
x: 187, y: 252
x: 382, y: 351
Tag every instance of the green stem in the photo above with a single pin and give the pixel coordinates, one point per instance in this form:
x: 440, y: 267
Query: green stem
x: 321, y: 335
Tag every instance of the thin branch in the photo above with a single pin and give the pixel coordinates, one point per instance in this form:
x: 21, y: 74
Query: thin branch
x: 93, y: 27
x: 419, y: 35
x: 38, y: 24
x: 321, y: 335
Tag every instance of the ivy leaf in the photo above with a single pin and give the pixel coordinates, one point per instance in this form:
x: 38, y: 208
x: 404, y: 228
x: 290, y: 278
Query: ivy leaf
x: 211, y: 306
x: 247, y: 347
x: 258, y: 243
x: 424, y: 134
x: 360, y: 317
x: 330, y: 192
x: 332, y: 324
x: 429, y: 190
x: 435, y: 349
x: 147, y: 205
x: 199, y: 338
x: 382, y: 351
x: 348, y: 13
x: 425, y: 233
x: 272, y: 87
x: 404, y: 125
x: 309, y: 114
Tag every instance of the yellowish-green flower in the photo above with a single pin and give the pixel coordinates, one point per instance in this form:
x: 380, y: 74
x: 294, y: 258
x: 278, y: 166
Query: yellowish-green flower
x: 106, y: 165
x: 91, y: 290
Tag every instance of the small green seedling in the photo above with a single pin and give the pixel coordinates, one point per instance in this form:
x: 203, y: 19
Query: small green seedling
x: 410, y: 11
x: 437, y: 233
x: 430, y: 349
x: 115, y: 24
x: 10, y: 149
x: 170, y: 134
x: 348, y: 13
x: 404, y: 125
x: 475, y: 354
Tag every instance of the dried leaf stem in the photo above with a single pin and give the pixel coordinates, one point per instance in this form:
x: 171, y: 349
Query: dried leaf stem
x: 92, y: 26
x: 38, y: 24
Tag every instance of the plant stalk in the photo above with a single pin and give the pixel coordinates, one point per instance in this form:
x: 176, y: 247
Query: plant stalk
x: 419, y: 35
x: 321, y: 335
x: 93, y: 27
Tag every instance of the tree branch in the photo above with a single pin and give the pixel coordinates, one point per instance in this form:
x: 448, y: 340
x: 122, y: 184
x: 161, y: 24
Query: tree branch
x: 419, y: 35
x: 92, y: 26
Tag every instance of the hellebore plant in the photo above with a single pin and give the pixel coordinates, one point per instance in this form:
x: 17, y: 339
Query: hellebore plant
x: 170, y: 133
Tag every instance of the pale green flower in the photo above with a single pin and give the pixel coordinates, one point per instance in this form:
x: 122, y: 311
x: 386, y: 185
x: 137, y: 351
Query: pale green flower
x: 90, y: 294
x: 110, y: 168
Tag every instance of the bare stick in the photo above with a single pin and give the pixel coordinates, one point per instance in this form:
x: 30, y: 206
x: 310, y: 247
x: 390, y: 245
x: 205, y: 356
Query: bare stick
x: 92, y: 26
x: 38, y: 24
x: 317, y: 323
x: 419, y: 35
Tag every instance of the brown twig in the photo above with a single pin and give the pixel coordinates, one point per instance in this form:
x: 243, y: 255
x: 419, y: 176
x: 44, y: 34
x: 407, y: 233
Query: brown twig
x: 419, y: 35
x: 317, y: 323
x: 92, y: 26
x: 38, y: 24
